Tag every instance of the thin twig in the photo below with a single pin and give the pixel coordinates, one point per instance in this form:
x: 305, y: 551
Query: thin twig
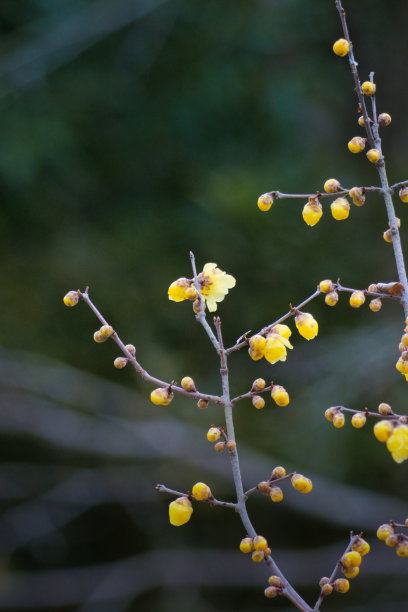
x: 139, y: 369
x: 377, y: 415
x: 211, y: 500
x: 250, y: 394
x: 200, y: 316
x: 270, y: 482
x: 279, y: 195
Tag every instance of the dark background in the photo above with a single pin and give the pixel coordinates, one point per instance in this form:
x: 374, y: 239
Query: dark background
x: 131, y: 132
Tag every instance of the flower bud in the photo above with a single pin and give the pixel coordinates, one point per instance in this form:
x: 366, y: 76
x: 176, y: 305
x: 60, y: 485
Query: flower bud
x: 301, y: 483
x: 255, y: 355
x: 326, y: 286
x: 361, y: 546
x: 264, y: 487
x: 120, y: 362
x: 219, y: 447
x: 384, y: 409
x: 357, y: 299
x: 391, y: 540
x: 213, y: 434
x: 373, y: 155
x: 403, y: 194
x: 338, y: 420
x: 356, y: 144
x: 375, y: 305
x: 368, y: 88
x: 161, y: 396
x: 327, y: 589
x: 341, y: 47
x: 246, y: 545
x: 258, y: 402
x: 131, y: 348
x: 180, y: 511
x: 201, y: 491
x: 306, y: 325
x: 340, y: 209
x: 197, y: 306
x: 312, y: 211
x: 188, y: 384
x: 372, y: 288
x: 278, y: 472
x: 71, y: 298
x: 202, y: 404
x: 332, y: 185
x: 98, y: 337
x: 341, y: 585
x: 265, y: 201
x: 260, y: 543
x: 231, y: 445
x: 402, y: 549
x: 106, y: 331
x: 191, y: 293
x: 383, y: 430
x: 351, y: 559
x: 332, y: 298
x: 324, y: 580
x: 258, y: 556
x: 257, y: 342
x: 357, y: 195
x: 361, y: 121
x: 358, y: 420
x: 329, y: 413
x: 387, y: 236
x: 279, y: 395
x: 276, y: 494
x: 258, y: 384
x: 276, y: 581
x: 270, y: 592
x: 351, y: 572
x: 384, y: 119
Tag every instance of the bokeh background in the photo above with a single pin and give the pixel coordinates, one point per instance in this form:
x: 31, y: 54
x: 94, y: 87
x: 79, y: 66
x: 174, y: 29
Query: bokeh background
x: 131, y: 132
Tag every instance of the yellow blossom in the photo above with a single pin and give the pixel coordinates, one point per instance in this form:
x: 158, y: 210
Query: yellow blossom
x: 180, y: 511
x: 214, y: 285
x: 275, y: 348
x: 307, y: 326
x: 178, y: 289
x: 282, y: 330
x: 397, y: 443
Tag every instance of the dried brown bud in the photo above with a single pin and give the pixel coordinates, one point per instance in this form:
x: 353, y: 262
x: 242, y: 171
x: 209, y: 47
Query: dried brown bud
x: 264, y: 487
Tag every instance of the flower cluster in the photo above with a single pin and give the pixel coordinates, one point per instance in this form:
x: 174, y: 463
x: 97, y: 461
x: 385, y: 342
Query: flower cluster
x: 399, y: 541
x: 214, y: 285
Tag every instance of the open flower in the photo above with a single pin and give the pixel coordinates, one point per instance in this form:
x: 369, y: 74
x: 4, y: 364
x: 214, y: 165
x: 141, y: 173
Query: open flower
x: 397, y: 443
x: 275, y: 349
x: 214, y: 284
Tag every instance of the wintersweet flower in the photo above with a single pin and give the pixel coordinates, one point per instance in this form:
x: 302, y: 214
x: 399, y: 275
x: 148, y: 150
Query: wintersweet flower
x: 178, y: 289
x: 397, y: 443
x: 180, y: 511
x: 214, y: 285
x: 275, y: 348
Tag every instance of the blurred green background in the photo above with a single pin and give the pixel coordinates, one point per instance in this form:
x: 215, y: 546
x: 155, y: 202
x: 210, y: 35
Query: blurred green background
x: 131, y: 132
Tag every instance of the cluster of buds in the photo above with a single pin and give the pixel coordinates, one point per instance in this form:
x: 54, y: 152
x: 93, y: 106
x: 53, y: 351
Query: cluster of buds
x: 269, y: 487
x: 350, y: 567
x: 272, y: 346
x: 399, y: 541
x: 214, y: 434
x: 258, y: 546
x: 387, y: 235
x: 120, y: 362
x: 394, y: 432
x: 181, y: 509
x: 357, y: 298
x: 402, y: 363
x: 276, y: 586
x: 103, y: 333
x: 278, y: 393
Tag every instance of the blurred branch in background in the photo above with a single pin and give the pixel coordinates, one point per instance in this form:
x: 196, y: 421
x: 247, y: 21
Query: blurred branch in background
x: 46, y: 45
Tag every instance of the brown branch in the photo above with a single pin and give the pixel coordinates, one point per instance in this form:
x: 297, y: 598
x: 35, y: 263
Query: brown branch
x: 211, y: 500
x: 250, y: 394
x: 270, y: 482
x: 279, y: 195
x: 377, y: 415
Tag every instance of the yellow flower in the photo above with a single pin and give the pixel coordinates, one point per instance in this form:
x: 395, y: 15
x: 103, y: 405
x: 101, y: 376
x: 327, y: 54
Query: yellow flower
x: 397, y: 443
x: 275, y: 348
x: 307, y: 326
x: 214, y: 285
x: 178, y: 289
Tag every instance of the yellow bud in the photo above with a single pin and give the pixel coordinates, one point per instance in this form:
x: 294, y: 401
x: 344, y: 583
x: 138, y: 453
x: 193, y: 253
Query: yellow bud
x: 180, y: 511
x: 361, y: 546
x: 258, y: 402
x: 265, y: 201
x: 202, y: 404
x: 361, y: 120
x: 255, y: 355
x: 356, y: 144
x: 191, y: 293
x: 332, y: 185
x: 351, y: 572
x: 276, y: 582
x: 279, y: 395
x: 276, y: 494
x: 231, y: 445
x: 402, y: 366
x: 372, y: 288
x: 161, y: 396
x: 332, y: 298
x: 404, y: 340
x: 351, y: 559
x: 106, y: 330
x: 338, y: 420
x: 219, y: 447
x: 357, y: 299
x: 260, y: 543
x: 306, y: 325
x: 213, y: 434
x: 120, y: 362
x: 368, y: 88
x: 282, y: 330
x: 257, y: 343
x: 384, y: 531
x: 383, y: 430
x: 329, y: 413
x: 375, y: 305
x: 188, y: 384
x: 403, y: 194
x: 246, y: 545
x: 357, y: 195
x: 340, y: 209
x: 384, y: 119
x: 373, y: 155
x: 402, y: 549
x: 312, y: 211
x: 131, y: 348
x: 341, y: 47
x: 387, y: 236
x: 258, y: 556
x: 324, y: 580
x: 258, y: 384
x: 98, y: 337
x: 391, y: 540
x: 201, y: 491
x: 326, y: 286
x: 278, y: 472
x: 264, y: 487
x: 341, y: 585
x: 71, y: 298
x: 358, y: 420
x: 301, y: 483
x: 327, y: 589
